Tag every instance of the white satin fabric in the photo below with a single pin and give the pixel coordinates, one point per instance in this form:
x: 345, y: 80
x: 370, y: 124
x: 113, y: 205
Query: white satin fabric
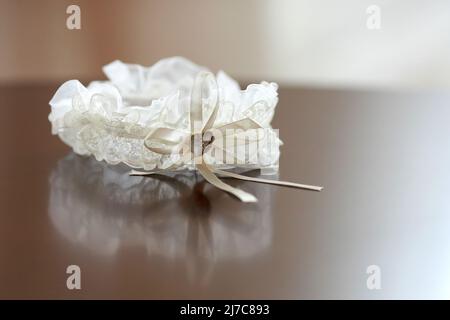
x: 110, y: 119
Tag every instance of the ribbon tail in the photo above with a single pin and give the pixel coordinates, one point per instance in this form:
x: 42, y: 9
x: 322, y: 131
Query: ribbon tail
x: 209, y: 176
x: 141, y: 173
x: 274, y: 182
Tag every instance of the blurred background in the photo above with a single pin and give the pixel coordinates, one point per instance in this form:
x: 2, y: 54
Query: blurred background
x: 297, y: 42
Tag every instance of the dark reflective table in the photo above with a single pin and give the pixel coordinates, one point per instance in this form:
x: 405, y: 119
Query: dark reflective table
x: 383, y: 157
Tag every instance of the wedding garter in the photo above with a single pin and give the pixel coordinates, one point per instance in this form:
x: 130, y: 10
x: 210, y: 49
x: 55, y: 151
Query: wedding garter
x: 171, y: 116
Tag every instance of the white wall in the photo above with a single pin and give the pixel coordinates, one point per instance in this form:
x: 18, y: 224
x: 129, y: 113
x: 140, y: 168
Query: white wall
x: 327, y: 42
x: 321, y: 42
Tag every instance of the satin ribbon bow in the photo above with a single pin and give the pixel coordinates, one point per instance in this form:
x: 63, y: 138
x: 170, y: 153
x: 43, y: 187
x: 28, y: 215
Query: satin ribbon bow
x: 196, y: 142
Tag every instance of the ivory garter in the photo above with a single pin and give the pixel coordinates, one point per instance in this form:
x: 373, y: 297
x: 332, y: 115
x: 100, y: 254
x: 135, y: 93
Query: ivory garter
x: 170, y: 116
x: 110, y: 119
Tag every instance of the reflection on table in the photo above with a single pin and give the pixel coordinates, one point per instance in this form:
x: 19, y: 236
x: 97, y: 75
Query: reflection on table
x: 174, y: 216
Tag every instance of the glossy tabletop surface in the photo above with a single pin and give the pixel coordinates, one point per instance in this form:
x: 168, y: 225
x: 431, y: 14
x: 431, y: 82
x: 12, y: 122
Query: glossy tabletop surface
x: 383, y: 158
